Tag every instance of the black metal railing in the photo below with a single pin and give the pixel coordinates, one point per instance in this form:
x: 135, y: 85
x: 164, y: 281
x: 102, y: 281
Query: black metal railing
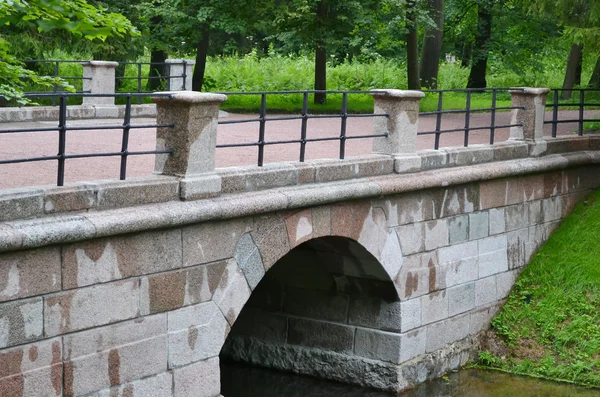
x: 303, y: 139
x: 578, y: 103
x: 468, y: 111
x: 63, y: 128
x: 138, y: 75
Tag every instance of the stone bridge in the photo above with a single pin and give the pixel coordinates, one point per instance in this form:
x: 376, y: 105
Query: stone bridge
x: 380, y: 271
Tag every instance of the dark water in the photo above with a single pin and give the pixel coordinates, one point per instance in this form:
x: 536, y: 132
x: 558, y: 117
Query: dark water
x: 240, y: 381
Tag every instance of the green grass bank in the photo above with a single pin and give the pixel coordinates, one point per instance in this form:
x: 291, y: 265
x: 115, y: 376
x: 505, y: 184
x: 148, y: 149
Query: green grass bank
x: 550, y: 325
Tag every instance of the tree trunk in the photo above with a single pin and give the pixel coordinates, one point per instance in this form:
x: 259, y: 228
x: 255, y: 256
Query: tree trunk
x: 321, y: 57
x: 579, y: 68
x: 571, y: 72
x: 595, y: 79
x: 432, y: 46
x: 412, y: 47
x: 201, y: 53
x: 160, y: 70
x: 466, y: 55
x: 477, y: 77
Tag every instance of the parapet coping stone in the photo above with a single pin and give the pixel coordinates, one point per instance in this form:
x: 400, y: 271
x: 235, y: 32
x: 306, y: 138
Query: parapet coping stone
x: 68, y: 228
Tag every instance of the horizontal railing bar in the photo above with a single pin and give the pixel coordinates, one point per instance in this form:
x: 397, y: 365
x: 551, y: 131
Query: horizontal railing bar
x: 572, y: 121
x: 20, y: 130
x: 571, y: 104
x: 120, y: 127
x: 310, y: 116
x: 84, y: 155
x: 454, y: 111
x: 488, y: 127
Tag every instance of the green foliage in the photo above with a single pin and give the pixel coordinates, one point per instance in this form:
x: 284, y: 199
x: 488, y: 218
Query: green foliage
x: 45, y: 16
x: 555, y: 305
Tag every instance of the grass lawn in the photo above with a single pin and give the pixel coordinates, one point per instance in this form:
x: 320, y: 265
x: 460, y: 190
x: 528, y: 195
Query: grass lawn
x: 550, y: 325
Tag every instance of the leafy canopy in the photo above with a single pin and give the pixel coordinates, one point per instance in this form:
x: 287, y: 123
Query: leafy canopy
x: 74, y: 16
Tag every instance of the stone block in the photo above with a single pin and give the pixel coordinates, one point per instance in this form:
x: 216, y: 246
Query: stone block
x: 249, y: 260
x: 434, y: 307
x: 29, y: 273
x: 459, y: 263
x: 232, y: 292
x: 106, y: 112
x: 485, y: 291
x: 461, y: 298
x: 173, y: 290
x: 113, y: 258
x: 136, y: 191
x: 497, y: 221
x: 452, y: 201
x: 474, y: 154
x: 552, y: 208
x: 299, y: 227
x: 375, y: 313
x: 32, y: 370
x: 482, y: 318
x: 156, y: 386
x: 114, y: 355
x: 201, y: 186
x: 510, y: 150
x: 202, y: 379
x: 516, y: 242
x: 493, y: 255
x: 71, y: 198
x: 271, y: 238
x: 196, y: 333
x: 458, y: 229
x: 410, y: 314
x: 412, y: 344
x: 532, y: 187
x: 21, y: 203
x: 314, y: 334
x: 436, y: 234
x: 91, y: 307
x: 403, y: 209
x: 21, y: 322
x: 432, y: 159
x: 493, y: 193
x: 446, y: 332
x: 414, y: 282
x: 377, y: 345
x: 315, y: 304
x: 266, y: 327
x: 211, y: 241
x: 406, y: 163
x: 321, y: 221
x: 412, y: 238
x: 504, y: 283
x: 535, y: 213
x: 271, y: 176
x: 478, y: 225
x: 516, y: 216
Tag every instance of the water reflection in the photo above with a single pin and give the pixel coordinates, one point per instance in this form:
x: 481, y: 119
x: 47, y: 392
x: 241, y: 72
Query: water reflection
x: 241, y: 381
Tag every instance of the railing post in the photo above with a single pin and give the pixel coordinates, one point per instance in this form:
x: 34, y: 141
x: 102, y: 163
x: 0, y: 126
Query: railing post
x: 192, y: 139
x: 532, y: 102
x: 99, y: 78
x: 180, y: 74
x: 400, y: 126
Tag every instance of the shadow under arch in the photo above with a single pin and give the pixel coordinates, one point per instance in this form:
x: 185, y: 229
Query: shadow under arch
x: 326, y: 309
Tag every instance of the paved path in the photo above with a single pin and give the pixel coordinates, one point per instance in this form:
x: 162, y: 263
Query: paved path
x: 36, y: 144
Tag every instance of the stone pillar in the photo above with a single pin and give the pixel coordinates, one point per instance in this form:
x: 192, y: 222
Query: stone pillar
x: 99, y: 78
x: 401, y: 127
x: 533, y: 100
x: 193, y: 140
x: 178, y: 80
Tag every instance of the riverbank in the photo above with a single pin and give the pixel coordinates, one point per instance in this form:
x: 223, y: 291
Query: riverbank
x: 550, y: 325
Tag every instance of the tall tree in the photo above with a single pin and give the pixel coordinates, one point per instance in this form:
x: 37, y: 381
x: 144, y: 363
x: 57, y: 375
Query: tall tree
x: 432, y: 45
x: 483, y: 35
x: 412, y: 46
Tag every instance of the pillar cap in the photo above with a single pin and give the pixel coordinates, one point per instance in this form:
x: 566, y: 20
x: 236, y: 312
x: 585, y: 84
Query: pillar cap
x: 391, y: 93
x: 188, y: 97
x: 104, y: 64
x: 529, y: 91
x: 180, y: 61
